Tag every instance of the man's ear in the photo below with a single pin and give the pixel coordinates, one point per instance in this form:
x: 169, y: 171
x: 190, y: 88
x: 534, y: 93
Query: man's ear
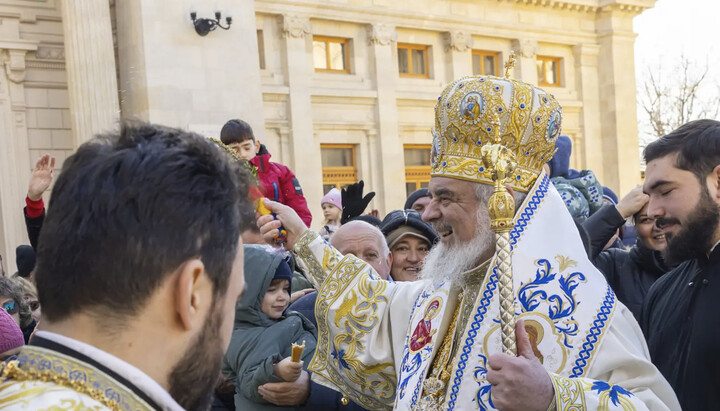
x: 713, y: 181
x: 191, y: 289
x: 389, y: 260
x: 257, y: 146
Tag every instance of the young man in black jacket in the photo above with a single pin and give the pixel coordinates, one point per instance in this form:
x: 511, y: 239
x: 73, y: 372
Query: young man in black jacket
x: 680, y: 318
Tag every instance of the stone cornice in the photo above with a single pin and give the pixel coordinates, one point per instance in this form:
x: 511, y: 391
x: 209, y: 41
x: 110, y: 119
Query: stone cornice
x: 589, y: 6
x: 397, y: 18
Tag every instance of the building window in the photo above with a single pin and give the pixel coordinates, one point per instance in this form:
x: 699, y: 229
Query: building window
x: 548, y: 71
x: 330, y: 54
x: 261, y: 49
x: 485, y: 63
x: 417, y: 166
x: 413, y: 60
x: 339, y: 165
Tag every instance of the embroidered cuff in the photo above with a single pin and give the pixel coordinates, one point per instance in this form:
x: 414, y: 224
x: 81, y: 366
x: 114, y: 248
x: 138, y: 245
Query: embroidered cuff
x: 569, y: 393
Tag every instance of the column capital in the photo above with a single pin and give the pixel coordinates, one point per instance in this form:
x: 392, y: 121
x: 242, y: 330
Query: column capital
x: 295, y: 26
x: 14, y: 62
x: 457, y: 40
x: 381, y: 34
x: 525, y: 48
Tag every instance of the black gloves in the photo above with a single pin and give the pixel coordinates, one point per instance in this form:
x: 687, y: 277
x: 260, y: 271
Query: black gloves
x: 353, y: 202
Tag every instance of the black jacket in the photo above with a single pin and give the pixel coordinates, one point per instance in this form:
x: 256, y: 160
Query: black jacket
x: 631, y: 272
x: 33, y: 226
x: 681, y: 322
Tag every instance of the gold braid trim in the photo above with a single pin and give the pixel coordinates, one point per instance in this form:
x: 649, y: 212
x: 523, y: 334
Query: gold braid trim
x: 12, y: 371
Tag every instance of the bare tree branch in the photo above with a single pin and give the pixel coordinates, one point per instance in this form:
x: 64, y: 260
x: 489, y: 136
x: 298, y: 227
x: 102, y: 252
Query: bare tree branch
x: 670, y: 104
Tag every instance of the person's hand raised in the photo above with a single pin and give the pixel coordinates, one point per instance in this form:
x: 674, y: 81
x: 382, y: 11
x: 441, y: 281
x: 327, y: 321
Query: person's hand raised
x: 633, y: 202
x: 42, y: 176
x: 353, y: 202
x: 286, y: 217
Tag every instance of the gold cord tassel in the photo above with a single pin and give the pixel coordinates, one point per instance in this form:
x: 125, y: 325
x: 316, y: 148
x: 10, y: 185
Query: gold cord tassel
x: 500, y: 161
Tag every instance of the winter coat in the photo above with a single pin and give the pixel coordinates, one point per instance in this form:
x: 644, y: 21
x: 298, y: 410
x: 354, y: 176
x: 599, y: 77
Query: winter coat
x: 280, y: 184
x: 681, y: 323
x: 630, y: 273
x: 582, y: 195
x: 258, y: 341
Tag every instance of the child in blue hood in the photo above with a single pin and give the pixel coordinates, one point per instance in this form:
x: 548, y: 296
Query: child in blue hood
x: 260, y: 346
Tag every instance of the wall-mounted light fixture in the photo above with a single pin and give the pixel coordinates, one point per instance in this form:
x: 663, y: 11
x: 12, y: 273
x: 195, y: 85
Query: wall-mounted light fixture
x: 205, y: 26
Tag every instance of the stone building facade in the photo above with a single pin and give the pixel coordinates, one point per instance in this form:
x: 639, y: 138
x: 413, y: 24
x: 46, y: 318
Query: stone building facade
x: 337, y: 89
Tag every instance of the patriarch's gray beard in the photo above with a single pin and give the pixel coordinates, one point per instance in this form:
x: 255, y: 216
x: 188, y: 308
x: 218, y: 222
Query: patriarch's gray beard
x: 453, y: 261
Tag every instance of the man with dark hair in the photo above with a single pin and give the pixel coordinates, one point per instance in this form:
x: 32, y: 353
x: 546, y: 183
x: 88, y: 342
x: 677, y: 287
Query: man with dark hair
x: 680, y: 316
x: 418, y: 200
x: 139, y: 267
x: 277, y: 181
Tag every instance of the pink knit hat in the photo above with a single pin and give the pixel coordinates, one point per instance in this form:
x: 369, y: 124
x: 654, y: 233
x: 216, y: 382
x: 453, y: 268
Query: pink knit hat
x: 10, y: 334
x: 333, y: 197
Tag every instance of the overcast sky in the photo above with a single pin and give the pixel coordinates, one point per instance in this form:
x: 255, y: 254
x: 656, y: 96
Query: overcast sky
x: 676, y: 27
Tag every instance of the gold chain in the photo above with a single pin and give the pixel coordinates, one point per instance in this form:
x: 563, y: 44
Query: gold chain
x: 13, y: 371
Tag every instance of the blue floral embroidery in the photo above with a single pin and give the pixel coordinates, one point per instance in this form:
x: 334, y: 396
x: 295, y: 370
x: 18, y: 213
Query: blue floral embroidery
x: 560, y: 307
x: 340, y: 357
x: 483, y: 397
x: 409, y: 368
x: 615, y: 391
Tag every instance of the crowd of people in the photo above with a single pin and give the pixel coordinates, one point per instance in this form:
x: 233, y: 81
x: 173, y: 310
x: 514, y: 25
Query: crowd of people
x: 151, y: 282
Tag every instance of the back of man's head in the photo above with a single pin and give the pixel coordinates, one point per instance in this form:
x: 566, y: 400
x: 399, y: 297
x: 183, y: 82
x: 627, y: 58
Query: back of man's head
x: 696, y: 143
x: 236, y: 131
x: 127, y: 210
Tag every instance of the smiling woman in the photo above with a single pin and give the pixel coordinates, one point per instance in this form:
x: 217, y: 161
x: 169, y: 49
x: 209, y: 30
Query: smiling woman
x: 409, y: 239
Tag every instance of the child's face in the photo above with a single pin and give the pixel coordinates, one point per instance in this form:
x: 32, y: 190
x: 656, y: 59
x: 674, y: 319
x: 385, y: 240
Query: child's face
x: 246, y: 149
x: 330, y: 212
x: 277, y: 299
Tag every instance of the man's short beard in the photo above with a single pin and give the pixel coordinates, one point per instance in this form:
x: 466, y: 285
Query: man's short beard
x: 453, y: 261
x: 192, y: 380
x: 696, y: 235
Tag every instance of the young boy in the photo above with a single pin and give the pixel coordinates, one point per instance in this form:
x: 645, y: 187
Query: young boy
x: 261, y: 343
x: 278, y: 181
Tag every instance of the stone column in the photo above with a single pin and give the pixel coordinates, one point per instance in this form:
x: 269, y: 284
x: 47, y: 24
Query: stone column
x: 617, y: 88
x: 304, y: 150
x: 14, y: 153
x: 458, y: 45
x: 525, y: 66
x: 586, y: 84
x: 390, y: 167
x: 90, y: 62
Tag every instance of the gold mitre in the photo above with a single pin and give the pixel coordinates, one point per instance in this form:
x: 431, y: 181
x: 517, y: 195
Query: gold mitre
x: 479, y: 110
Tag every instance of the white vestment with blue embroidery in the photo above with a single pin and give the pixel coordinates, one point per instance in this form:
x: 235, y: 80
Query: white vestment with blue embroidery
x: 590, y: 344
